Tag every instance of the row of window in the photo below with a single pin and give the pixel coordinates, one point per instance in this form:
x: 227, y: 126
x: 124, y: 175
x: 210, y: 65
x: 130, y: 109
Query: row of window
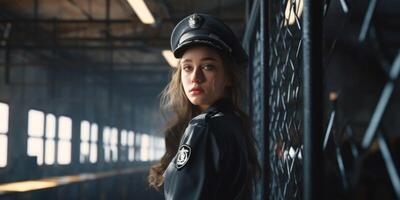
x: 48, y: 136
x: 49, y: 140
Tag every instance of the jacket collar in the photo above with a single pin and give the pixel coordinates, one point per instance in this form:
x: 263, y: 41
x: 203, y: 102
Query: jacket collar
x: 221, y: 105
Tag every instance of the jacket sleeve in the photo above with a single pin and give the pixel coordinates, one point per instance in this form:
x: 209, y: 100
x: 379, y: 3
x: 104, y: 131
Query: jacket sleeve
x: 191, y: 173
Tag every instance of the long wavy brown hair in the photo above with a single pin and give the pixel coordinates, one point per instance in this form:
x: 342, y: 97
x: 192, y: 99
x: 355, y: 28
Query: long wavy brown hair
x: 174, y: 102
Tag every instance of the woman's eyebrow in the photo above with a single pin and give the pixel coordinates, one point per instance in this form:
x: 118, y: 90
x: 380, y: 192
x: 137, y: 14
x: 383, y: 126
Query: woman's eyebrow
x: 209, y: 58
x: 186, y: 60
x: 202, y: 59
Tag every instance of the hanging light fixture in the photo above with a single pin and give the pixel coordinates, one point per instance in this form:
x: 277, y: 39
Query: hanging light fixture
x: 170, y: 58
x: 142, y: 11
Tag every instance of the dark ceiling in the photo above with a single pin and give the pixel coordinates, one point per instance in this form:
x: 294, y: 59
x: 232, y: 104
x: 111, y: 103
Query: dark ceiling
x: 100, y: 33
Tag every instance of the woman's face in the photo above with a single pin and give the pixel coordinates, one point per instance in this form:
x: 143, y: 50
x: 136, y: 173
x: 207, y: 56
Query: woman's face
x: 203, y: 76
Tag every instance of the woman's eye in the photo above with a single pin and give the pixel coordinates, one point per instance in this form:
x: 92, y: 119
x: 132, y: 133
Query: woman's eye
x: 187, y: 68
x: 208, y: 67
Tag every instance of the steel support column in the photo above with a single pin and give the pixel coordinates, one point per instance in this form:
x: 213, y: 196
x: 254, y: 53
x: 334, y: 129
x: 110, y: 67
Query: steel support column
x: 313, y: 101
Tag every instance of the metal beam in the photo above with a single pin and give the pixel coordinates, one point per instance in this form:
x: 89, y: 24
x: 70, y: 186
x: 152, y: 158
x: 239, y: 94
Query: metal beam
x: 68, y: 21
x: 231, y: 21
x: 383, y: 103
x: 313, y: 162
x: 87, y: 47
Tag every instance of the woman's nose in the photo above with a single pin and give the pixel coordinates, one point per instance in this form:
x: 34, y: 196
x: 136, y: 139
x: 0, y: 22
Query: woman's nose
x: 197, y: 76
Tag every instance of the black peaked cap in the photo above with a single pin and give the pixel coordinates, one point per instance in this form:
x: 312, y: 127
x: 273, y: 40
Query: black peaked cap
x: 203, y: 29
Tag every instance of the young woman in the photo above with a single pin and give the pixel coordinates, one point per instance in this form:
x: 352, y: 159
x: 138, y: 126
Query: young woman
x: 210, y: 152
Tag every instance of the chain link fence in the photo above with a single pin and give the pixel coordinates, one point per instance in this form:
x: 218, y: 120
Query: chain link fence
x: 360, y: 66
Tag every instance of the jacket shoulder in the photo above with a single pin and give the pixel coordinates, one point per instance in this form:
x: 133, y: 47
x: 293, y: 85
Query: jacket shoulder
x: 227, y: 120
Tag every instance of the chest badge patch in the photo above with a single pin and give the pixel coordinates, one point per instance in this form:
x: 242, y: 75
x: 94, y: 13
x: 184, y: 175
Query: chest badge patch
x: 183, y: 156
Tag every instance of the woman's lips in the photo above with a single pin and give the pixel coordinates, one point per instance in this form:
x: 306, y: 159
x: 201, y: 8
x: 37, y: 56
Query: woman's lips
x: 196, y: 91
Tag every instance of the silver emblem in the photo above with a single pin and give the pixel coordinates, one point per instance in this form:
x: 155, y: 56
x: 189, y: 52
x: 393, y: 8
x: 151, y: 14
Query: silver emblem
x: 195, y: 21
x: 183, y: 156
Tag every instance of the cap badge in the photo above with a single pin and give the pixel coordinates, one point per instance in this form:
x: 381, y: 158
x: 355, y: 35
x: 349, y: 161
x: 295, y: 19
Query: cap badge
x: 183, y: 156
x: 195, y: 21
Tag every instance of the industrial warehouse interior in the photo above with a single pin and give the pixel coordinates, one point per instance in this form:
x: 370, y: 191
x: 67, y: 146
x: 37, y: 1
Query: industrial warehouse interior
x: 80, y: 84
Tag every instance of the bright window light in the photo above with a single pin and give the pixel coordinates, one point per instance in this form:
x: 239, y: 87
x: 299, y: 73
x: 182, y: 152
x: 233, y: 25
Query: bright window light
x: 93, y: 145
x: 131, y: 136
x: 106, y: 143
x: 114, y: 137
x: 106, y: 135
x: 35, y: 123
x: 124, y: 149
x: 4, y: 114
x: 138, y: 139
x: 131, y: 154
x: 45, y: 146
x: 64, y: 128
x: 110, y: 141
x: 142, y: 11
x: 64, y: 143
x: 114, y: 143
x: 162, y: 147
x: 50, y: 152
x: 64, y: 152
x: 85, y: 131
x: 85, y: 135
x: 35, y: 148
x: 50, y: 126
x: 50, y: 146
x: 84, y: 151
x: 156, y: 148
x: 88, y: 147
x: 123, y: 138
x: 144, y: 153
x: 170, y: 58
x: 93, y: 153
x: 35, y: 133
x: 93, y: 132
x: 151, y: 148
x: 3, y: 150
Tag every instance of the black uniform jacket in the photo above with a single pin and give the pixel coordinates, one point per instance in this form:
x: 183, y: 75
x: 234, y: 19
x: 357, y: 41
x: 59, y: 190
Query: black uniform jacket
x: 211, y: 159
